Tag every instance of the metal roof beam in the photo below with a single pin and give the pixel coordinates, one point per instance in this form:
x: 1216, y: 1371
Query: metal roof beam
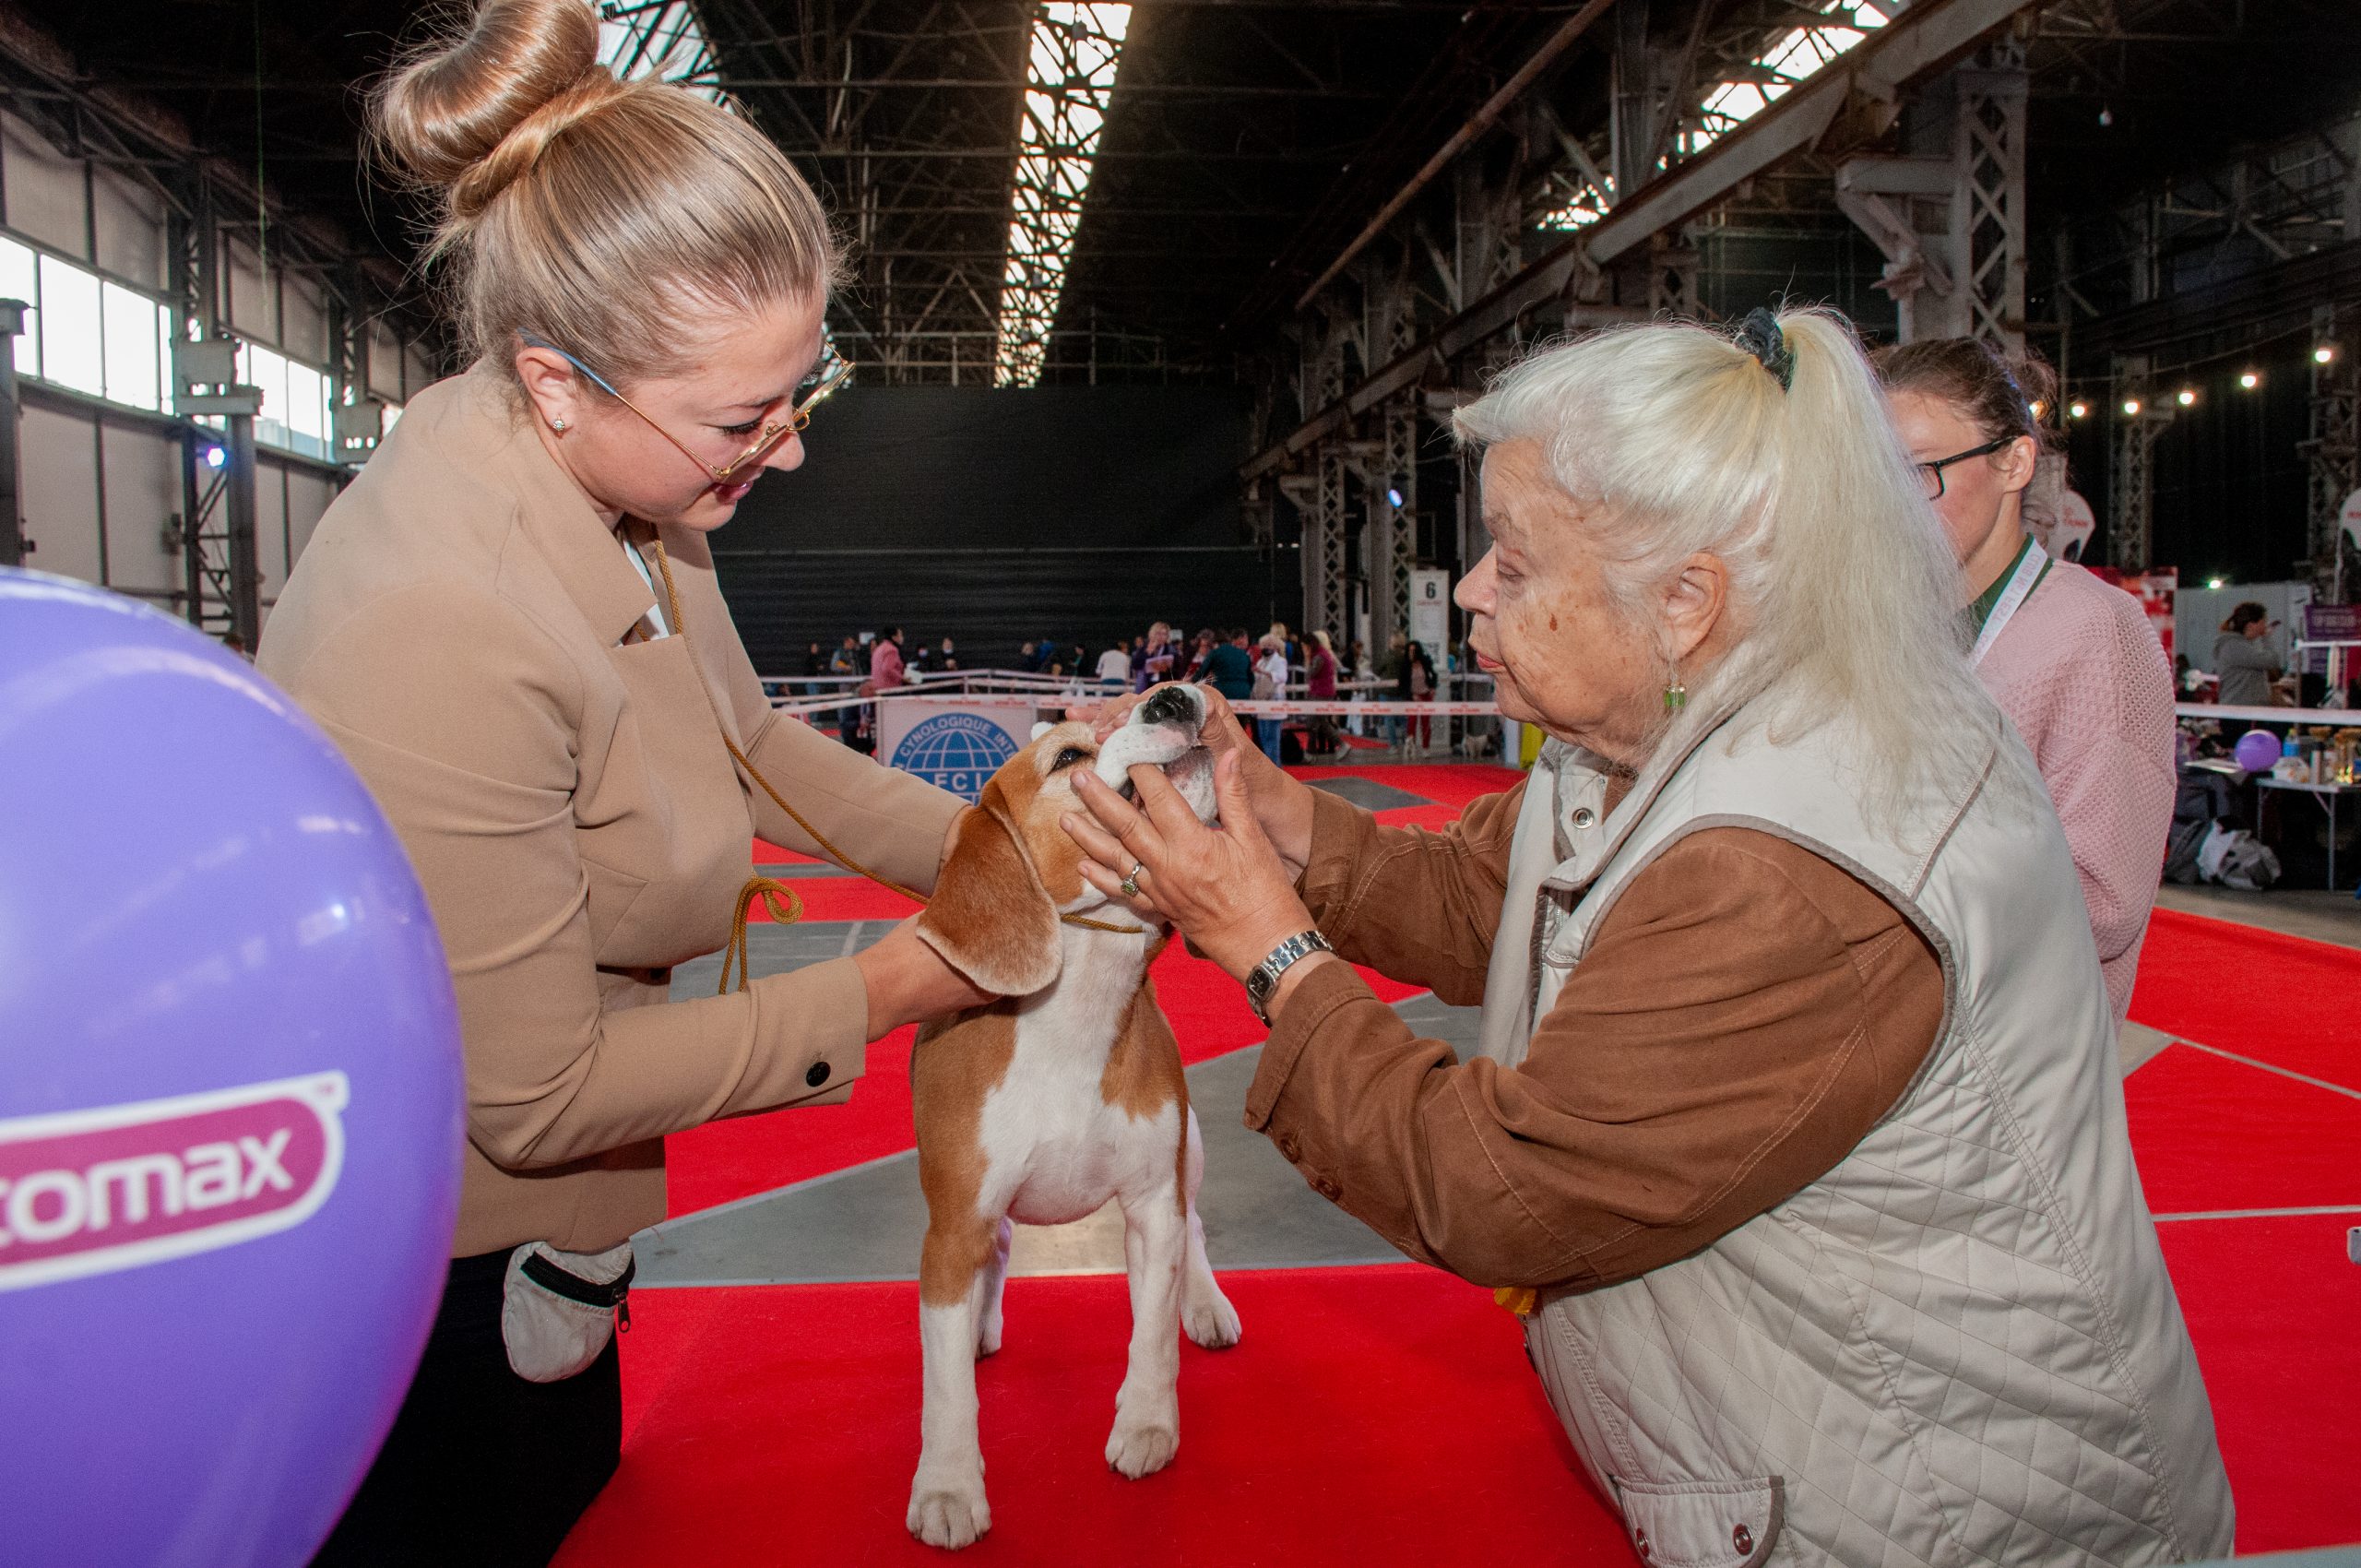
x: 1924, y: 39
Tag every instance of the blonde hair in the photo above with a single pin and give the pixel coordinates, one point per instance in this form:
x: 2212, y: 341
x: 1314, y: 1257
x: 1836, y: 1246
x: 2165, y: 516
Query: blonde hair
x: 610, y: 217
x: 1672, y: 440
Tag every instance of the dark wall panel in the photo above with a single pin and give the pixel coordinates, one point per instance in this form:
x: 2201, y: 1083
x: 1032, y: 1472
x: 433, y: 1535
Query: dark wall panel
x: 994, y: 517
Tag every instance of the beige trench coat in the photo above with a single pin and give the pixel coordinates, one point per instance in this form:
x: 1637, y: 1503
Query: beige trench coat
x: 456, y: 626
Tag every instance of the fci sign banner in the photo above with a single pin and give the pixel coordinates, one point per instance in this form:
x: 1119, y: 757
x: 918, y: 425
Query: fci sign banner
x: 953, y: 742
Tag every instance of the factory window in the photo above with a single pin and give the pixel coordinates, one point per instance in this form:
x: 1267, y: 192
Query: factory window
x: 294, y: 415
x: 87, y: 333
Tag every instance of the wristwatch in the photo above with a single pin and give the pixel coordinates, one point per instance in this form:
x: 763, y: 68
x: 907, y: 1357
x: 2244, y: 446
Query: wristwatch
x: 1264, y: 978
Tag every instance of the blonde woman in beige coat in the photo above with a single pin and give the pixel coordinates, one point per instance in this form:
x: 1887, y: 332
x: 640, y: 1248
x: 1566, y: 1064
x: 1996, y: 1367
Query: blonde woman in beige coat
x: 511, y: 627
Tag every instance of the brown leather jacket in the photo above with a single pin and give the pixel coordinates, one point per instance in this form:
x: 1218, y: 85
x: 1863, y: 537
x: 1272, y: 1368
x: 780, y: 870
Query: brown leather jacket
x: 1746, y: 1013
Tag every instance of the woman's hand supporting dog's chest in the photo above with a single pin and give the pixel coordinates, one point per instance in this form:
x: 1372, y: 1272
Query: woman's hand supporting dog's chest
x: 907, y: 982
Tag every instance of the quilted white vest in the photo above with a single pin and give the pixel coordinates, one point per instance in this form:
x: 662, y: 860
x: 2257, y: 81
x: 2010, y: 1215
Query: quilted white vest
x: 1961, y: 1345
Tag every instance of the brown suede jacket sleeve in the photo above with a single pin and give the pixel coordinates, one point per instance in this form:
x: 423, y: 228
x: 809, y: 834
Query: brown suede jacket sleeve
x: 1746, y: 1014
x: 1415, y: 905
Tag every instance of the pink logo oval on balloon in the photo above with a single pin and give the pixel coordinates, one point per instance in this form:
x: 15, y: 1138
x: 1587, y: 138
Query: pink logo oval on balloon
x: 118, y: 1186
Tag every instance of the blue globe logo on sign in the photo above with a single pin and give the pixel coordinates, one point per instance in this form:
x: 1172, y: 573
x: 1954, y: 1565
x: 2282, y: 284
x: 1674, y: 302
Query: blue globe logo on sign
x: 954, y: 751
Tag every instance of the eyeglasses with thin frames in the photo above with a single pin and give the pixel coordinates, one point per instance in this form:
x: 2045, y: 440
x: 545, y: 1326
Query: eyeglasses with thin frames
x: 824, y: 379
x: 1931, y: 474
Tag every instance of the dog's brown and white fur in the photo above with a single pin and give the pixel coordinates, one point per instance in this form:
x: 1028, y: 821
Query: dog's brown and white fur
x: 1042, y: 1106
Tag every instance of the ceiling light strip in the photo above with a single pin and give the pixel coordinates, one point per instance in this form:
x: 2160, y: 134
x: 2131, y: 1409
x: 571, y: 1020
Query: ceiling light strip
x: 1070, y: 79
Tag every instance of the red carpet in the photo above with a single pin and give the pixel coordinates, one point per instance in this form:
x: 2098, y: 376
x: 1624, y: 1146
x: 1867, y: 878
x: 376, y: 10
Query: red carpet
x: 1385, y: 1416
x: 2272, y: 1306
x: 1369, y: 1415
x: 2278, y: 999
x: 2214, y: 1134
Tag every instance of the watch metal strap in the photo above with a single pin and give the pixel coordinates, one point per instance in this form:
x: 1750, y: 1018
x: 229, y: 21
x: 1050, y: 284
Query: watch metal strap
x: 1264, y: 979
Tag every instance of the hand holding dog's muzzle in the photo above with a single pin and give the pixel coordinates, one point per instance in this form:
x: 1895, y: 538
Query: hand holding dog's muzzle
x: 1222, y: 887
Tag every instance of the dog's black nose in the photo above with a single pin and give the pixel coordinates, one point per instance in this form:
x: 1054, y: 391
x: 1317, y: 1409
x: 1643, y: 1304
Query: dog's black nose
x: 1168, y: 706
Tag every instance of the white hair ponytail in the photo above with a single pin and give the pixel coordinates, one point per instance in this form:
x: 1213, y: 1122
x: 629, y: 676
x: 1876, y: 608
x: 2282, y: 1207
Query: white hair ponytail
x: 1673, y: 440
x: 1866, y: 588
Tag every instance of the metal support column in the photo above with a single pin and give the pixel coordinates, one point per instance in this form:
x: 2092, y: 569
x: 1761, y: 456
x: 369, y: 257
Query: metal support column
x: 1988, y: 203
x: 1323, y: 525
x: 1632, y: 124
x: 1953, y: 227
x: 1324, y: 557
x: 2333, y: 453
x: 1390, y: 477
x: 1402, y: 465
x: 1672, y: 278
x: 245, y: 561
x: 12, y: 516
x: 2130, y: 487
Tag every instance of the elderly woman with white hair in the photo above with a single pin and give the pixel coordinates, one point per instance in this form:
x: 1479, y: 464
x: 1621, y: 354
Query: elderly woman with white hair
x: 1794, y: 1131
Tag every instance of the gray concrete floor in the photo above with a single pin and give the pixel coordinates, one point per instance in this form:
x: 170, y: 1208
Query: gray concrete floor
x: 2294, y: 911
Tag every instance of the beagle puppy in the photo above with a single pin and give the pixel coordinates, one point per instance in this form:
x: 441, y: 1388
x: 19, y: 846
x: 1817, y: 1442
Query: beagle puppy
x: 1046, y: 1104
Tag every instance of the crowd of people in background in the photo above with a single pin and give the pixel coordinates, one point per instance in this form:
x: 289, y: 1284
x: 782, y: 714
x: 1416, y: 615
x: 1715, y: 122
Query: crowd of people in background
x: 1238, y: 662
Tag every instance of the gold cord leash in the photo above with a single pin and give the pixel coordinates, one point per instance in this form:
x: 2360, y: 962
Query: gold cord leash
x: 772, y: 893
x: 768, y: 889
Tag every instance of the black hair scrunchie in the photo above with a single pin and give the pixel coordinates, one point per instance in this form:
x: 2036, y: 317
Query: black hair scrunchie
x: 1759, y: 335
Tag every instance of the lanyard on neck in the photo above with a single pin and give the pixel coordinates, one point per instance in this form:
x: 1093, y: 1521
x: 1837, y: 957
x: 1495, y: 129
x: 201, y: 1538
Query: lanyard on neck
x: 2030, y: 564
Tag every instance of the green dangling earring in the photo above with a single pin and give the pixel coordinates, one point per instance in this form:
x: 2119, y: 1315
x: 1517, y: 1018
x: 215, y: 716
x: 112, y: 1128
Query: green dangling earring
x: 1675, y: 697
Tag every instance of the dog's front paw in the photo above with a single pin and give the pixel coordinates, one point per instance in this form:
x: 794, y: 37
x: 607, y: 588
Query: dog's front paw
x: 947, y: 1507
x: 1210, y: 1321
x: 1141, y: 1447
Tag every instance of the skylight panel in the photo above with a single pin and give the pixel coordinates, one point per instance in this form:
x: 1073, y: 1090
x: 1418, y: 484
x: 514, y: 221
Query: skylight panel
x: 1071, y: 78
x: 1791, y: 58
x: 659, y: 38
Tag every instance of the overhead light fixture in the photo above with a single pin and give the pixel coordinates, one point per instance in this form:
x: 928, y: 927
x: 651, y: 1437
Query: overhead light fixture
x: 2131, y: 407
x: 2107, y: 116
x: 2040, y: 408
x: 2249, y: 380
x: 2213, y: 582
x: 2324, y: 353
x: 2078, y: 408
x: 215, y: 457
x: 1392, y: 496
x: 2187, y: 398
x: 1074, y: 51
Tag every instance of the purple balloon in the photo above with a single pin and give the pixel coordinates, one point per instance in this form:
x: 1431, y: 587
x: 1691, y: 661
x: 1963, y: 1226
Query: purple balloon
x: 230, y: 1116
x: 2256, y: 751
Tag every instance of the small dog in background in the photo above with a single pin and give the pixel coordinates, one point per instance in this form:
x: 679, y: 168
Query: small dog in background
x: 1043, y: 1106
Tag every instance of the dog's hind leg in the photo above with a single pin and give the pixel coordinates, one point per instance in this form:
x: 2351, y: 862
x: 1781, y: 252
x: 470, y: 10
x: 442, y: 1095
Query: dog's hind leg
x: 995, y: 1282
x: 1147, y: 1408
x: 1205, y: 1312
x: 947, y: 1506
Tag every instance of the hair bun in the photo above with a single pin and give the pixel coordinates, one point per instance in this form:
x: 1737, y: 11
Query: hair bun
x: 449, y: 117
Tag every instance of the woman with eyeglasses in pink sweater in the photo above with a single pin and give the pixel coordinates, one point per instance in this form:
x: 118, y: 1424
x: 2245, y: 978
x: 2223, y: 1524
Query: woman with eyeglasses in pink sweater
x: 2070, y: 660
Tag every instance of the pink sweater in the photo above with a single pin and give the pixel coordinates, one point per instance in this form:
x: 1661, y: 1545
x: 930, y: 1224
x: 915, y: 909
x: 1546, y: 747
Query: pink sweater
x: 2078, y: 671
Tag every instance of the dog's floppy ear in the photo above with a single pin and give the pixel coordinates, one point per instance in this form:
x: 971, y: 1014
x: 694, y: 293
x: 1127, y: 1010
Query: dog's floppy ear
x: 991, y: 917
